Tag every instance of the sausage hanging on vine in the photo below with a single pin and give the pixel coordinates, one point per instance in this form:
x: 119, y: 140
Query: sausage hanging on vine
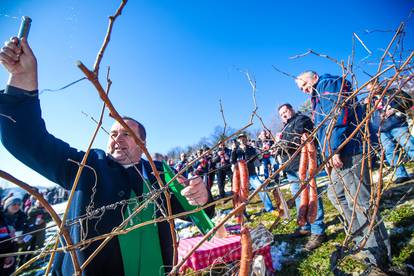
x: 240, y: 188
x: 304, y: 196
x: 313, y: 193
x: 236, y: 189
x: 244, y: 181
x: 246, y: 252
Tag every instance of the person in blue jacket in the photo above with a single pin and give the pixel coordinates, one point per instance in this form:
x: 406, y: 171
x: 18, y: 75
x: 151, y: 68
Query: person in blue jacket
x: 336, y: 118
x: 390, y: 121
x: 110, y: 186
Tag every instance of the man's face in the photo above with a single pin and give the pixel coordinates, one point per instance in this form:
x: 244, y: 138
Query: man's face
x: 121, y: 146
x: 306, y: 82
x: 14, y: 208
x: 262, y: 135
x: 286, y: 113
x: 182, y: 157
x: 242, y: 140
x: 374, y: 88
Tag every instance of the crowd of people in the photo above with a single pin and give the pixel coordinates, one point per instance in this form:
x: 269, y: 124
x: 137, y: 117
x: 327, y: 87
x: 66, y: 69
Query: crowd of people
x: 215, y: 166
x: 23, y: 225
x: 122, y: 173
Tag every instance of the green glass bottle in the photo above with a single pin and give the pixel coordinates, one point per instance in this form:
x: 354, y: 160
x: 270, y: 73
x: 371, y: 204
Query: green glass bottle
x: 200, y: 219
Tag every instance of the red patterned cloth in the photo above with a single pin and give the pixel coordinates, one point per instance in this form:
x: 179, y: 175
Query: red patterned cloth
x: 216, y: 251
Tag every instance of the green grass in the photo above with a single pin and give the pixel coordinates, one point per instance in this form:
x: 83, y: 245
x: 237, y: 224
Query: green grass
x: 404, y: 256
x: 401, y: 216
x: 318, y: 261
x: 399, y: 221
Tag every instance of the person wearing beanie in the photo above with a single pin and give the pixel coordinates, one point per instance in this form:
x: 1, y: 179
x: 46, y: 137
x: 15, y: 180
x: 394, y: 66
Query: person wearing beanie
x: 13, y: 214
x: 14, y: 203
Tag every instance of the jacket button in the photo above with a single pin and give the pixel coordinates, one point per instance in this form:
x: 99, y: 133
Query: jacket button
x: 121, y: 193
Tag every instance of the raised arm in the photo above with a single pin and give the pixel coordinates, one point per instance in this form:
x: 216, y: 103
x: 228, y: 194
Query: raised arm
x: 21, y: 64
x: 22, y: 130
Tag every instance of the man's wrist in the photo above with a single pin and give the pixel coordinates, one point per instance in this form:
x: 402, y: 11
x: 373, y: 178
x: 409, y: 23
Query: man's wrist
x: 26, y: 82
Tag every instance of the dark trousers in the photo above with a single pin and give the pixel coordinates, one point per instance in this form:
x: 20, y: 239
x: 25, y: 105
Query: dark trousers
x: 221, y: 179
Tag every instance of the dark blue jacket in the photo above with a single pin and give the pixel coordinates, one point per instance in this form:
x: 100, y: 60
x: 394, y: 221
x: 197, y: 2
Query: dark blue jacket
x: 28, y: 140
x: 249, y: 154
x: 291, y: 138
x: 396, y: 99
x: 220, y: 161
x: 329, y: 91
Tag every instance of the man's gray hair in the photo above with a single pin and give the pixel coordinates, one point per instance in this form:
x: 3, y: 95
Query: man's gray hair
x: 311, y: 73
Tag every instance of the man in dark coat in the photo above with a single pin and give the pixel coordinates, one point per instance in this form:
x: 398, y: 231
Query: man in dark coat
x: 221, y: 159
x: 296, y: 124
x: 111, y: 185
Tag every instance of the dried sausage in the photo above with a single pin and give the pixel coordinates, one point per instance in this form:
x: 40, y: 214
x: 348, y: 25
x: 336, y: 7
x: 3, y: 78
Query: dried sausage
x: 236, y: 190
x: 313, y: 193
x: 246, y: 252
x: 304, y: 196
x: 244, y: 181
